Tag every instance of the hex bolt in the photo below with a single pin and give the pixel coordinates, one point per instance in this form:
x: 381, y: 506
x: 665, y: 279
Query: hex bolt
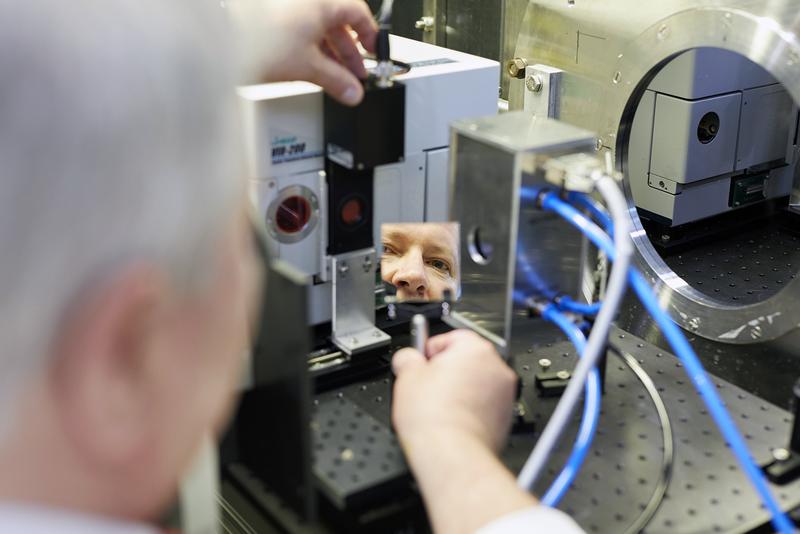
x: 563, y: 375
x: 516, y: 68
x: 534, y: 83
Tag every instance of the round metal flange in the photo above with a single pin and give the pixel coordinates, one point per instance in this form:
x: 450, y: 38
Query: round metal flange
x: 766, y: 42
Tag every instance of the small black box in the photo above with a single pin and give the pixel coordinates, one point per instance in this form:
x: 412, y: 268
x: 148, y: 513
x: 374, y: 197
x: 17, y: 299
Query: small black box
x: 370, y: 134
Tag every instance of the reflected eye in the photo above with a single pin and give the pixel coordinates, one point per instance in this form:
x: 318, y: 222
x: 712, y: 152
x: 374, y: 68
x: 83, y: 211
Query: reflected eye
x: 440, y: 265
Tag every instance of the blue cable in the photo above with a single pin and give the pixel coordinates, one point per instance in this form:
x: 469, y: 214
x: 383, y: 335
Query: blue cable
x: 537, y: 284
x: 685, y: 352
x: 567, y: 304
x: 564, y: 303
x: 586, y: 202
x: 591, y: 412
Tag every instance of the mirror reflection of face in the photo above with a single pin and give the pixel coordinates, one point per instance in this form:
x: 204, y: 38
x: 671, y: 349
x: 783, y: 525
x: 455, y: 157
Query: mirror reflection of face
x: 420, y: 259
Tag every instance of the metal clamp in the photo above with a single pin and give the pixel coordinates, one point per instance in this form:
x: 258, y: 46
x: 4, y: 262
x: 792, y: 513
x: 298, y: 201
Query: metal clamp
x: 542, y: 90
x: 353, y: 324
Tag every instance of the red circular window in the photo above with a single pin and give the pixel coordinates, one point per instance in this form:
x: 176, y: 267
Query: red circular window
x: 293, y: 215
x: 352, y: 212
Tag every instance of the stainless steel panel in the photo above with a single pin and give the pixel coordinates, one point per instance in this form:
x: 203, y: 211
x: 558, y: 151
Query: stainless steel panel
x: 492, y: 159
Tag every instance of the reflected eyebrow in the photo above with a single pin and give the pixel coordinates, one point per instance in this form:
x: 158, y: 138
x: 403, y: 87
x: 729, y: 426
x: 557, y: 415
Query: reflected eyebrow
x: 395, y: 237
x: 439, y: 250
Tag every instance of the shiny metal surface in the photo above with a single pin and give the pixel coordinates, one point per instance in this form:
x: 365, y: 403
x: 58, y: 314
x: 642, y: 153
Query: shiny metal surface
x: 610, y: 52
x: 353, y: 325
x: 492, y: 159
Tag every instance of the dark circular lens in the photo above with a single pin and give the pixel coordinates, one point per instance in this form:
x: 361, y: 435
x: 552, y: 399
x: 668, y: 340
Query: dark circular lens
x: 708, y: 128
x: 352, y: 212
x: 293, y: 215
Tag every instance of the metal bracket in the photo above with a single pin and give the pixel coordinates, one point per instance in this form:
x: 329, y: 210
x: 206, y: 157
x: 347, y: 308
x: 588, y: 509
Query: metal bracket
x: 353, y: 325
x: 542, y: 91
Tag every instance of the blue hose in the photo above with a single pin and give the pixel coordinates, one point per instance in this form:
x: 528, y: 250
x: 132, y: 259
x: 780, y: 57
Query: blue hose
x: 564, y: 303
x: 684, y: 351
x: 586, y: 202
x: 591, y: 412
x: 567, y: 304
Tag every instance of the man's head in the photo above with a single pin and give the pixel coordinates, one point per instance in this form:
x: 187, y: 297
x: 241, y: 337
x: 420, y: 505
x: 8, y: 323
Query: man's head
x: 126, y: 266
x: 421, y: 259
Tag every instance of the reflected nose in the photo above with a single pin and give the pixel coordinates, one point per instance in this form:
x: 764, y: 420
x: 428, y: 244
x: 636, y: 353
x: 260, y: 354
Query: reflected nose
x: 410, y: 279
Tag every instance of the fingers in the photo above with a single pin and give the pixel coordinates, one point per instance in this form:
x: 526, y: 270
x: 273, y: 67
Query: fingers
x: 353, y: 13
x: 406, y: 359
x: 446, y: 341
x: 341, y: 41
x: 336, y: 80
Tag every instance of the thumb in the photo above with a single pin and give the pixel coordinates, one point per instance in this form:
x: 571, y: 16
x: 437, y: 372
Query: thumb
x: 336, y: 80
x: 407, y: 359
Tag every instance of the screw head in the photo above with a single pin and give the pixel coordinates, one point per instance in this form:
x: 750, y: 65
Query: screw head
x: 534, y: 83
x: 367, y: 264
x: 343, y: 268
x: 781, y: 454
x: 544, y: 363
x: 563, y: 375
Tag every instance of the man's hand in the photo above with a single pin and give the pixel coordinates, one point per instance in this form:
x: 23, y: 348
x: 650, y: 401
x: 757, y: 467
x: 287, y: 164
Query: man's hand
x: 465, y: 390
x: 452, y: 414
x: 310, y: 40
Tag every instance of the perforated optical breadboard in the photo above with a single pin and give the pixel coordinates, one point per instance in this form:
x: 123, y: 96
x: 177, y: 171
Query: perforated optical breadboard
x: 746, y: 268
x: 708, y: 491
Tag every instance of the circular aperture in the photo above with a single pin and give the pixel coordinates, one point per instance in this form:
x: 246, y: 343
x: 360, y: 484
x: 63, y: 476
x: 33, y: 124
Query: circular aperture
x: 293, y: 215
x: 352, y: 212
x: 480, y: 249
x: 708, y: 127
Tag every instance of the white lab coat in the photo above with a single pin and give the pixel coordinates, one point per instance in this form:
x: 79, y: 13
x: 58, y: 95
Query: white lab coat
x: 32, y: 519
x: 535, y: 520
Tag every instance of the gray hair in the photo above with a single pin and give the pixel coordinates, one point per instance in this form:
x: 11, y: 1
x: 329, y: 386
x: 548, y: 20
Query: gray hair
x: 118, y: 144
